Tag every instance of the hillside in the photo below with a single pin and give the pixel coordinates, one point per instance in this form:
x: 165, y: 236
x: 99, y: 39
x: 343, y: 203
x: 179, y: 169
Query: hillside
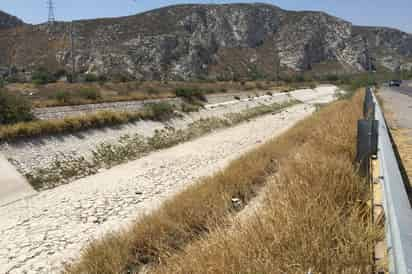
x: 7, y: 20
x: 207, y: 41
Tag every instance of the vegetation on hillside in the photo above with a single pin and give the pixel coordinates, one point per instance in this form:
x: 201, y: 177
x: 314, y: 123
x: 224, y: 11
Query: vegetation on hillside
x: 98, y: 88
x: 314, y: 217
x: 102, y: 90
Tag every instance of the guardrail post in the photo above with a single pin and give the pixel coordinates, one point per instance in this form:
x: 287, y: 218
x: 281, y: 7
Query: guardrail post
x: 362, y: 147
x: 368, y: 104
x: 367, y: 139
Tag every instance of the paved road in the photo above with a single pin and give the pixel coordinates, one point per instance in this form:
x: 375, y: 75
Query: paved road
x: 405, y: 88
x: 398, y: 100
x: 398, y: 112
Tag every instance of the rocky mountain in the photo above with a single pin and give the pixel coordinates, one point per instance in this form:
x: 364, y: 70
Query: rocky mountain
x: 207, y: 41
x: 8, y: 21
x: 389, y: 48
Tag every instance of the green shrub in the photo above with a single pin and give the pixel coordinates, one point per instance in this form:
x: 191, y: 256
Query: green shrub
x: 255, y: 73
x: 41, y: 77
x: 91, y: 77
x: 331, y: 77
x: 121, y: 78
x: 299, y: 78
x: 2, y: 83
x: 361, y: 81
x: 187, y: 108
x: 90, y: 94
x: 160, y: 111
x: 191, y: 94
x: 72, y: 77
x: 14, y: 108
x: 60, y: 73
x: 102, y: 79
x: 63, y: 96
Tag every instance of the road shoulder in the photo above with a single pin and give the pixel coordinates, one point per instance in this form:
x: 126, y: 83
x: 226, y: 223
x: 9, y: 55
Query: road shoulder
x: 398, y: 113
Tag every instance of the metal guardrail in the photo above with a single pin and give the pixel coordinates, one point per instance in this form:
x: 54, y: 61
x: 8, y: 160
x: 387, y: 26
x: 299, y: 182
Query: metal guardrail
x: 397, y: 207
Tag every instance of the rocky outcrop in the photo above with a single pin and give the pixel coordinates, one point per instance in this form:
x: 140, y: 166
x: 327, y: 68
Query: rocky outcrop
x: 208, y: 41
x: 9, y: 21
x: 390, y: 48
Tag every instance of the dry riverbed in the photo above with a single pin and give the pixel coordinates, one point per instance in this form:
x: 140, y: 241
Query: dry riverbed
x: 40, y: 233
x: 52, y: 161
x: 28, y: 155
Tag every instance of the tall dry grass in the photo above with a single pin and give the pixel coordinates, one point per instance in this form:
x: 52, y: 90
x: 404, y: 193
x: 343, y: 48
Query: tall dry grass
x: 312, y: 221
x: 156, y: 111
x: 314, y: 216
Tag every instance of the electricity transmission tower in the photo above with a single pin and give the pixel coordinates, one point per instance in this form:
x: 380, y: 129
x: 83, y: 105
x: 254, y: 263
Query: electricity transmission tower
x: 50, y: 6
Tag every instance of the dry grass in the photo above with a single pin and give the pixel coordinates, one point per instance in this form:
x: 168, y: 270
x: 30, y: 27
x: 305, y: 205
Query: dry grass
x: 403, y: 142
x: 156, y: 111
x: 312, y: 220
x: 314, y: 217
x: 47, y: 95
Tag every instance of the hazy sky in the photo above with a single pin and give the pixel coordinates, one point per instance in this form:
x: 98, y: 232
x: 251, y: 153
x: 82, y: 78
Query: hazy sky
x: 394, y: 13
